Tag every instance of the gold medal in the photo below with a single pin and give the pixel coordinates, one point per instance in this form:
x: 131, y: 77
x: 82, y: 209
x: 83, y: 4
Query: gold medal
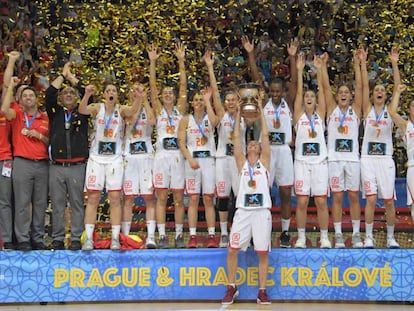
x: 67, y: 125
x: 231, y: 135
x: 134, y: 132
x: 251, y: 183
x: 276, y: 123
x: 204, y: 140
x: 106, y: 132
x: 314, y: 134
x: 341, y: 129
x: 24, y: 131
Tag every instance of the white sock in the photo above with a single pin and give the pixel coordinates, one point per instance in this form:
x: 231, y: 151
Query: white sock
x: 337, y: 227
x: 115, y: 231
x: 193, y: 231
x: 211, y: 231
x: 390, y: 232
x: 151, y: 228
x: 301, y: 233
x: 285, y: 224
x: 356, y: 224
x: 223, y: 228
x: 324, y: 234
x: 368, y: 229
x: 125, y: 227
x: 178, y: 230
x: 89, y: 228
x: 161, y: 229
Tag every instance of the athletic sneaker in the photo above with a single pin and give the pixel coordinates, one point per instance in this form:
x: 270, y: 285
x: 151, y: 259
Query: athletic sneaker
x: 231, y: 294
x: 285, y: 239
x: 224, y: 241
x: 339, y: 240
x: 392, y: 243
x: 369, y: 242
x: 150, y: 243
x: 192, y: 243
x: 262, y: 297
x: 163, y: 243
x: 179, y: 241
x: 300, y: 243
x: 88, y: 245
x: 356, y: 240
x: 115, y: 245
x: 325, y: 243
x: 211, y: 241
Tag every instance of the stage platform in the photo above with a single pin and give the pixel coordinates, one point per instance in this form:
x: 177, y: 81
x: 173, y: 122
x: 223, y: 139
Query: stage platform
x: 377, y: 275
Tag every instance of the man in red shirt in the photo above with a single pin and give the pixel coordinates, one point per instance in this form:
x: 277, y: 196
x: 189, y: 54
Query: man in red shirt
x: 30, y: 128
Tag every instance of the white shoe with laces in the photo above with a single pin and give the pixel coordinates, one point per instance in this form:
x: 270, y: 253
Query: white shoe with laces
x: 325, y: 243
x: 392, y: 243
x: 300, y: 243
x: 369, y: 242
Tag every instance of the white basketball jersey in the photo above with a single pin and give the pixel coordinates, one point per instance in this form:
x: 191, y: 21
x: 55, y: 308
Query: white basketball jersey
x: 254, y: 192
x: 225, y: 130
x: 200, y: 145
x: 343, y: 135
x: 310, y: 147
x: 377, y: 141
x: 409, y: 140
x: 107, y: 136
x: 138, y: 135
x: 167, y: 128
x: 279, y: 123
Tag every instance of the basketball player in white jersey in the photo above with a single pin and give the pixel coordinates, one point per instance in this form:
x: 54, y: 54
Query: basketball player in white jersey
x: 253, y: 218
x: 311, y: 167
x: 197, y: 144
x: 277, y: 112
x: 407, y: 128
x: 227, y: 174
x: 105, y: 165
x: 168, y: 169
x: 344, y: 115
x: 138, y: 161
x: 377, y: 164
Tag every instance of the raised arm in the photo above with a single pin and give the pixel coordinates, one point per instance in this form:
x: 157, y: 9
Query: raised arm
x: 5, y: 107
x: 153, y: 56
x: 8, y: 73
x: 357, y: 103
x: 293, y: 84
x: 86, y: 109
x: 265, y: 154
x: 218, y: 106
x: 237, y: 143
x: 394, y: 56
x: 327, y: 89
x: 210, y: 111
x: 366, y: 105
x: 298, y: 109
x: 136, y: 98
x: 321, y: 108
x: 393, y: 108
x: 257, y: 77
x: 182, y: 104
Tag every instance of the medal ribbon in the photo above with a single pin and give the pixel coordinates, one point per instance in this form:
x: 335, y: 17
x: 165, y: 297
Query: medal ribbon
x: 200, y: 126
x: 28, y: 122
x: 342, y: 117
x: 137, y: 120
x: 379, y: 116
x: 108, y: 119
x: 68, y: 116
x: 170, y: 118
x: 277, y: 112
x: 232, y: 123
x: 311, y: 121
x: 251, y: 171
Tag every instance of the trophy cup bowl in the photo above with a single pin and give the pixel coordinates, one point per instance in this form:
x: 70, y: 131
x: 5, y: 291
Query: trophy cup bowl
x: 249, y: 107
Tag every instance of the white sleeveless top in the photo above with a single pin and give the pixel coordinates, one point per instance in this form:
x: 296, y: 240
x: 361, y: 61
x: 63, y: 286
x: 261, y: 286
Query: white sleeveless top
x: 377, y: 141
x: 343, y: 129
x: 308, y: 148
x: 107, y: 136
x: 225, y: 129
x: 256, y: 195
x: 138, y: 136
x: 200, y: 146
x: 279, y: 123
x: 409, y: 140
x: 167, y: 129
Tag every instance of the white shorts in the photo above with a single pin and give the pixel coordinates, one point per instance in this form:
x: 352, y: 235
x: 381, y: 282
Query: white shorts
x: 410, y: 185
x: 378, y: 177
x: 138, y: 175
x: 104, y: 175
x: 248, y: 224
x: 344, y: 176
x: 227, y: 176
x: 281, y: 166
x: 203, y: 178
x: 168, y: 170
x: 311, y: 179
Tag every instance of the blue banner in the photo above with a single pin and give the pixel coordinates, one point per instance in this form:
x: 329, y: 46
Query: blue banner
x: 200, y: 274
